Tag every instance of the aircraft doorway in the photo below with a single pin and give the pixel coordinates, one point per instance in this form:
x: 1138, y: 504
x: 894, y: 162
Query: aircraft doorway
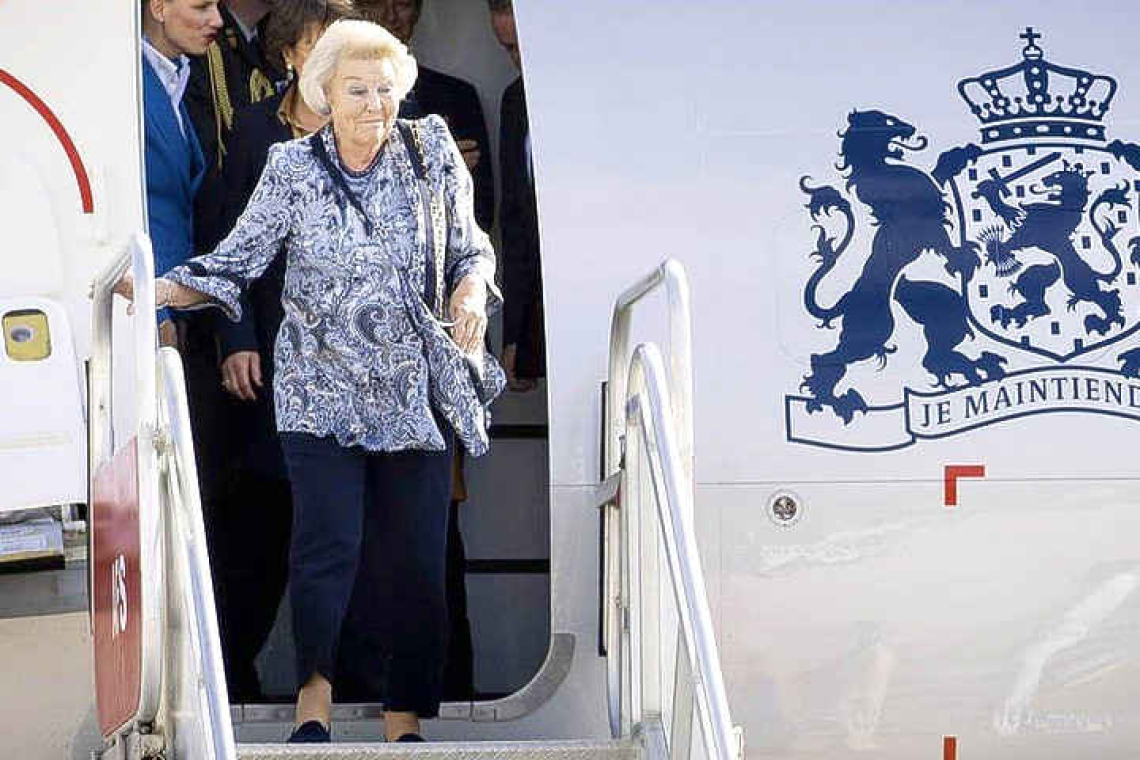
x: 505, y: 518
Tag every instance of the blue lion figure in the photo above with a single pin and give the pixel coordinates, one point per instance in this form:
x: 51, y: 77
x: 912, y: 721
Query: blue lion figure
x: 909, y: 214
x: 1050, y: 226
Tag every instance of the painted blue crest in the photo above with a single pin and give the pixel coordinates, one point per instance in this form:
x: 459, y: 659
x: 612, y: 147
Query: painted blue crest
x: 1032, y: 231
x: 1035, y: 98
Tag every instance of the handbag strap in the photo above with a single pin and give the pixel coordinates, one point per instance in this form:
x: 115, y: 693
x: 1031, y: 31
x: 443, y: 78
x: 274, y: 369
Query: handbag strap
x: 434, y: 216
x: 415, y: 151
x: 317, y: 143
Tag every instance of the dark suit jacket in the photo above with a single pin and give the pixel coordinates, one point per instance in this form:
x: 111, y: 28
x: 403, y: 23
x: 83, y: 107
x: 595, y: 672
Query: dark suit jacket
x: 248, y: 78
x: 256, y: 128
x: 174, y: 168
x: 518, y: 219
x: 458, y: 103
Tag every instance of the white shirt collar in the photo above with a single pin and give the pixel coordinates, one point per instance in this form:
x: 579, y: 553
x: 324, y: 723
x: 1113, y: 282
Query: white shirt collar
x: 249, y: 32
x: 172, y: 74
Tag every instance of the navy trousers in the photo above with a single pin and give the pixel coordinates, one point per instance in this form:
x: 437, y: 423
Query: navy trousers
x: 367, y: 560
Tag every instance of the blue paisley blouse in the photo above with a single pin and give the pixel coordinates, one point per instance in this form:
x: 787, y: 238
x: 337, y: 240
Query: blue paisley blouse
x: 359, y: 355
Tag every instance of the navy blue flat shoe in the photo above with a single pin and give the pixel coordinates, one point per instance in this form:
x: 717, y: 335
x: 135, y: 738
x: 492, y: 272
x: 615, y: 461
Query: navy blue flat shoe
x: 410, y: 738
x: 310, y: 732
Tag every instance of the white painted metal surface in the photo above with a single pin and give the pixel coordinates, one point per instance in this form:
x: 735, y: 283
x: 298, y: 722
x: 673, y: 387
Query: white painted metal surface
x: 69, y: 188
x: 51, y: 104
x: 881, y: 621
x: 42, y: 440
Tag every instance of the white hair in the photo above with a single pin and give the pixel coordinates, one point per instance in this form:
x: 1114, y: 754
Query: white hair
x: 360, y: 40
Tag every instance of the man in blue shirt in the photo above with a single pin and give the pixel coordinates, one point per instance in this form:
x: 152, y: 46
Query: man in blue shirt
x: 172, y: 30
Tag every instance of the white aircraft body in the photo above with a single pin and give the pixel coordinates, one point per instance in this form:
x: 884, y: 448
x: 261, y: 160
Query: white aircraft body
x: 909, y: 235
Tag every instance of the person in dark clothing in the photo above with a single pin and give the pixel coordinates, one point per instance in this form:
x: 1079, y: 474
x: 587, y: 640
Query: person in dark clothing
x: 452, y: 98
x: 524, y: 342
x: 227, y: 72
x: 233, y: 74
x: 230, y: 74
x: 252, y: 536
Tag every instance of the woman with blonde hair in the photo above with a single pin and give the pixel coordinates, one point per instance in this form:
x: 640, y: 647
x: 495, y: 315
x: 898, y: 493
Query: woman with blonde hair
x: 379, y: 365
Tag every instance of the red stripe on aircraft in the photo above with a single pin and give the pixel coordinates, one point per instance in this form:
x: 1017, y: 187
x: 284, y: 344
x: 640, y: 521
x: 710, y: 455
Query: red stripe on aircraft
x: 60, y: 133
x: 949, y: 748
x: 950, y: 480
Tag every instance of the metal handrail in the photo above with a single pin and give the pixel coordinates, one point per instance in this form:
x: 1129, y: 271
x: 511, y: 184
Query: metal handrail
x: 181, y: 520
x: 637, y: 397
x: 185, y: 509
x: 650, y: 410
x: 138, y: 257
x: 671, y: 276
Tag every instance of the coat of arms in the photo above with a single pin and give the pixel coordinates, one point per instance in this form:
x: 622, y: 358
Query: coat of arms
x: 1038, y: 231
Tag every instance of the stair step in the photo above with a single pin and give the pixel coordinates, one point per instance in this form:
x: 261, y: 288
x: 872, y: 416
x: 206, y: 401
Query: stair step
x: 535, y: 750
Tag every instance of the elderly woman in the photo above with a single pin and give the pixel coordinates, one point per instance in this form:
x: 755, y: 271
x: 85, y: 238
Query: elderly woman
x: 380, y: 243
x: 250, y: 577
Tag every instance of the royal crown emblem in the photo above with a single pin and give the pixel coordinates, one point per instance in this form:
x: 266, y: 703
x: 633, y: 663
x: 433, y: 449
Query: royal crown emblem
x: 1016, y: 258
x: 1035, y: 98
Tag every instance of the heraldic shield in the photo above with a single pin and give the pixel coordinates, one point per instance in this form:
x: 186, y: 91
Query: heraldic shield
x: 1038, y: 229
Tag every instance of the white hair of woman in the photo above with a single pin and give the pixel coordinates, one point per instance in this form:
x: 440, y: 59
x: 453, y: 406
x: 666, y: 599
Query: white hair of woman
x: 350, y: 39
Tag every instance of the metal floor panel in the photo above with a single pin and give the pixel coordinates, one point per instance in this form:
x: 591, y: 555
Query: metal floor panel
x: 573, y: 750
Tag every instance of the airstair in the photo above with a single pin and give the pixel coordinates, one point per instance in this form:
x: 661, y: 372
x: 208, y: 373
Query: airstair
x: 160, y: 684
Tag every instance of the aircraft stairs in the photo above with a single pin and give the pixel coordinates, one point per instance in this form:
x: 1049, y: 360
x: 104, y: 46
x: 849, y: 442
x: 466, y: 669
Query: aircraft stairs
x: 160, y: 686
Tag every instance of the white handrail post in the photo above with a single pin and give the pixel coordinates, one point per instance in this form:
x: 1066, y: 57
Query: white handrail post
x: 671, y: 274
x: 681, y: 361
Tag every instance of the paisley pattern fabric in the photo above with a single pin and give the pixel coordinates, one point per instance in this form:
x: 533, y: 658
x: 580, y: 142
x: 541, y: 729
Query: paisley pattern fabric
x: 359, y: 355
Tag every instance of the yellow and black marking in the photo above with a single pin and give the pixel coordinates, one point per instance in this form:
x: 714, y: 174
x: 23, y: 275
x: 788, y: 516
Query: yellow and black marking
x: 27, y: 337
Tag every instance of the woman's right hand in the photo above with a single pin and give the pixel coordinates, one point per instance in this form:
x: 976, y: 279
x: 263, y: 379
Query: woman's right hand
x: 166, y: 293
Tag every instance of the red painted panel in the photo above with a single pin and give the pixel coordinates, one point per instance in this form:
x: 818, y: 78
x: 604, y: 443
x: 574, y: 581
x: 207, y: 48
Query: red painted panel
x: 117, y: 588
x: 949, y: 748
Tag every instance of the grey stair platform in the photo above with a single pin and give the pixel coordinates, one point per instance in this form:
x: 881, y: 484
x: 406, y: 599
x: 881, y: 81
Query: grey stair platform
x: 538, y: 750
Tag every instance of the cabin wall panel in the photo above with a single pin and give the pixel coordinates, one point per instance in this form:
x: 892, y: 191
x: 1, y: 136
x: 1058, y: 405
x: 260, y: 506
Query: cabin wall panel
x: 507, y: 513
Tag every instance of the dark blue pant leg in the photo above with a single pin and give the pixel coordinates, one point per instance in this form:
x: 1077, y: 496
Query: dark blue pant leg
x: 407, y: 567
x: 328, y: 509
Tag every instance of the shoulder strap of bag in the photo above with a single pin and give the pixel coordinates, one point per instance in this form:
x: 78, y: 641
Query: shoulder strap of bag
x: 317, y: 143
x: 433, y: 212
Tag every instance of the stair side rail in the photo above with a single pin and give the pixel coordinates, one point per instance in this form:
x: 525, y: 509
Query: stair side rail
x: 196, y: 689
x: 667, y: 523
x: 671, y: 277
x: 641, y: 415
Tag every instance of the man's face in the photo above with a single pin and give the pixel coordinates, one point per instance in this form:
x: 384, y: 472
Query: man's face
x: 397, y: 16
x: 189, y: 26
x: 504, y: 25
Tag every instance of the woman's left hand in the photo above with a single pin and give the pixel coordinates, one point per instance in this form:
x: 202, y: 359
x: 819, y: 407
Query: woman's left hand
x: 468, y: 309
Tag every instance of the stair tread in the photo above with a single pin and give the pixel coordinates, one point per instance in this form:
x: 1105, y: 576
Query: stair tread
x: 532, y: 750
